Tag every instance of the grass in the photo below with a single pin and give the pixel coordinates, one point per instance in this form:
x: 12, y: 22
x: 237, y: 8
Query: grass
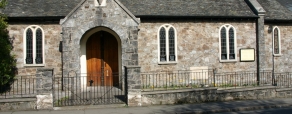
x: 61, y: 101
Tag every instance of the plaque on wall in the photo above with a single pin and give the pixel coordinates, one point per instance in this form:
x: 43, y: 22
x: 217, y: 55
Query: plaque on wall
x: 247, y: 55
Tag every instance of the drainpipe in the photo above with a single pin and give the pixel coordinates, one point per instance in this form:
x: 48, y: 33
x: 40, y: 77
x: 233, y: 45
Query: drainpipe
x: 270, y: 30
x: 61, y: 50
x: 273, y: 73
x: 260, y: 39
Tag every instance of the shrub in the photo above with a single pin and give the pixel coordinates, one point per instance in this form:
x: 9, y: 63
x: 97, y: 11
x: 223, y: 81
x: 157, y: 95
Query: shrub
x: 8, y: 64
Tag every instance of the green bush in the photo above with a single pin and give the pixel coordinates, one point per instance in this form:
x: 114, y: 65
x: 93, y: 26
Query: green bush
x: 8, y: 63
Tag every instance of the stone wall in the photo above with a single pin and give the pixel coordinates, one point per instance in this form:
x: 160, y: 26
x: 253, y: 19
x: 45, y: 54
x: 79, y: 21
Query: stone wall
x: 44, y: 88
x: 282, y: 63
x: 43, y: 99
x: 197, y: 45
x: 52, y: 54
x: 88, y: 18
x: 133, y: 84
x: 213, y: 94
x: 267, y: 92
x: 179, y: 96
x: 284, y: 93
x: 18, y: 104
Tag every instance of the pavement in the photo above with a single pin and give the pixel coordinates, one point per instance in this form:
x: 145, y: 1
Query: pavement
x: 199, y: 108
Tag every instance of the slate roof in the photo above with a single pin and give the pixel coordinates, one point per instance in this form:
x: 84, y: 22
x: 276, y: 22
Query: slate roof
x: 39, y: 8
x: 275, y: 10
x: 43, y: 8
x: 205, y: 8
x: 286, y: 3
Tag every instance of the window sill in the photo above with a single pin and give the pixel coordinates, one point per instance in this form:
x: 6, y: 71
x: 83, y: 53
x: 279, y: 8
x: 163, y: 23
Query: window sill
x: 228, y: 61
x: 167, y: 63
x: 33, y: 65
x: 277, y: 55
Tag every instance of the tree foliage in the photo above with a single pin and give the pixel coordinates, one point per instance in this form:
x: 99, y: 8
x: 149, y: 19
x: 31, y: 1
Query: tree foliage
x: 7, y: 61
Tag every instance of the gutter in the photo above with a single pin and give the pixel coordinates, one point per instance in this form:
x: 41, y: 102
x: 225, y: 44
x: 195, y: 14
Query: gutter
x: 50, y: 19
x: 194, y: 17
x: 278, y: 20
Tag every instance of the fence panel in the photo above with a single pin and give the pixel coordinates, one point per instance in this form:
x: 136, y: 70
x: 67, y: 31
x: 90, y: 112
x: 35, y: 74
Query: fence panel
x: 283, y: 79
x: 236, y: 79
x: 172, y: 80
x: 157, y: 81
x: 81, y: 90
x: 22, y: 87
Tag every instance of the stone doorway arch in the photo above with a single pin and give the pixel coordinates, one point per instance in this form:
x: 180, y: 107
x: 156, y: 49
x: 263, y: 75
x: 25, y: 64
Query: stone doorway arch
x: 101, y: 76
x: 86, y: 19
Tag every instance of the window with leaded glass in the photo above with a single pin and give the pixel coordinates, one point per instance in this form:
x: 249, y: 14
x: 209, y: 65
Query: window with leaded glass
x: 231, y: 44
x: 39, y: 47
x: 171, y: 44
x: 162, y: 44
x: 276, y: 41
x: 227, y: 43
x: 34, y: 46
x: 223, y: 44
x: 29, y: 47
x: 167, y: 44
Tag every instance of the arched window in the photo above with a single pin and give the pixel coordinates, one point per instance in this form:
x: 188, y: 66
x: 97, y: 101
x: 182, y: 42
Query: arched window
x: 167, y: 44
x: 227, y: 39
x: 33, y: 46
x: 276, y: 41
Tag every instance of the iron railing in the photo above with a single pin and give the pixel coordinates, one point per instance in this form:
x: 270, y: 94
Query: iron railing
x: 22, y: 87
x: 88, y: 89
x: 176, y: 80
x: 242, y: 79
x: 283, y: 80
x: 80, y: 88
x: 161, y: 81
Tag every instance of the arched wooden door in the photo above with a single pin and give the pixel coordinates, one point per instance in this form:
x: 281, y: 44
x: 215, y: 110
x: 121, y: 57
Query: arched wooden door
x: 102, y: 60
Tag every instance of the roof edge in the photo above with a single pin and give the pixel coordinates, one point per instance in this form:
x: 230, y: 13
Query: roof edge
x: 117, y: 1
x: 256, y: 7
x: 279, y: 20
x: 35, y: 17
x: 127, y: 11
x: 70, y: 14
x: 54, y: 19
x: 199, y: 17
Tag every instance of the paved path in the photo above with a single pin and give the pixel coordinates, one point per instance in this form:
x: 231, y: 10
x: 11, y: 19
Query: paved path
x: 169, y: 109
x: 263, y: 111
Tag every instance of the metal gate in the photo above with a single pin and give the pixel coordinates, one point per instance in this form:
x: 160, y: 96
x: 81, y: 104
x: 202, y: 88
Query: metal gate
x: 77, y: 90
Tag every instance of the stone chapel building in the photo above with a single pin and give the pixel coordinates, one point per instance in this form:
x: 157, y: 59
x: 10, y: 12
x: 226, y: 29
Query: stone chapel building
x: 86, y: 36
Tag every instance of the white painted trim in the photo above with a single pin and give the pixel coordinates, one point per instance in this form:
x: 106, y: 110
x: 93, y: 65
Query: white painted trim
x: 167, y: 63
x: 83, y: 61
x: 103, y: 3
x: 34, y: 65
x: 167, y: 27
x: 279, y: 36
x: 33, y: 28
x: 228, y: 26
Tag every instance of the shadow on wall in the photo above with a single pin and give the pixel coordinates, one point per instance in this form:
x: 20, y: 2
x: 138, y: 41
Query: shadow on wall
x: 219, y: 106
x: 75, y: 91
x: 90, y: 96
